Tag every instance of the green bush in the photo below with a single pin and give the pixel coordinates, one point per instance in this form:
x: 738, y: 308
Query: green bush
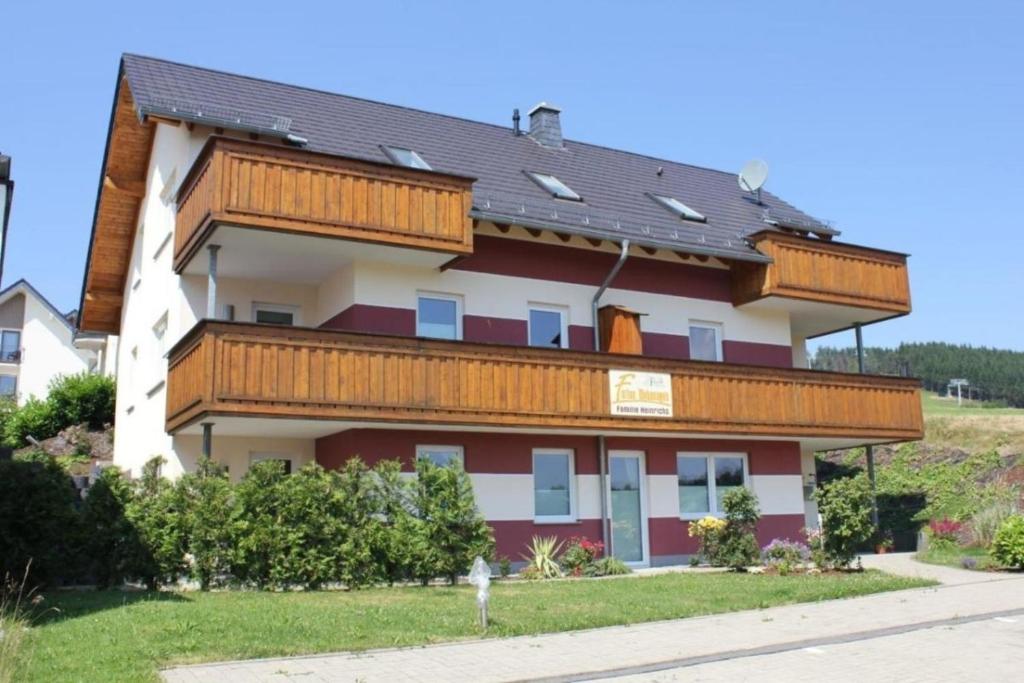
x: 157, y: 512
x: 737, y: 544
x: 111, y: 542
x: 207, y: 502
x: 39, y: 520
x: 611, y: 566
x: 1008, y: 545
x: 85, y: 398
x: 845, y: 509
x: 452, y: 531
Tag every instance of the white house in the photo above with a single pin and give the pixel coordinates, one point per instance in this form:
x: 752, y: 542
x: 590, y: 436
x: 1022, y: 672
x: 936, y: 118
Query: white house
x: 37, y: 343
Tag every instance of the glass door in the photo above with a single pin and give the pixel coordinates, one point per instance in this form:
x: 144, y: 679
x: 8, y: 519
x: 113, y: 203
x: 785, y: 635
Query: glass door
x: 626, y: 475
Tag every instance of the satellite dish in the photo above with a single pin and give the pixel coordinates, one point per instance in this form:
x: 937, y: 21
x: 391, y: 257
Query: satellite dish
x: 753, y: 175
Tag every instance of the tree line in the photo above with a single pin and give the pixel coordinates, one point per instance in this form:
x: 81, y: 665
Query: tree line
x: 994, y: 374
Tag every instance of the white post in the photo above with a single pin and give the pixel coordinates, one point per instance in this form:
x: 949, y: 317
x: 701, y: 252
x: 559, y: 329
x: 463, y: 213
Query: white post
x: 211, y: 283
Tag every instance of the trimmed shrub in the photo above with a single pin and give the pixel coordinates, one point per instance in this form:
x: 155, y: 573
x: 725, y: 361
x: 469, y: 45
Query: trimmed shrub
x: 157, y: 513
x: 207, y: 500
x: 35, y: 419
x: 111, y: 543
x: 450, y: 532
x: 738, y: 547
x: 1008, y: 545
x: 845, y: 509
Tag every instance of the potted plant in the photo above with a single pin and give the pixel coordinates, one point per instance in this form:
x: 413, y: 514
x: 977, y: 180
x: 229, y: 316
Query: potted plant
x: 884, y: 544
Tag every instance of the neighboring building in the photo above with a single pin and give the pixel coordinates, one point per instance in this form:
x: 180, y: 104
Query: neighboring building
x: 308, y: 276
x: 36, y: 344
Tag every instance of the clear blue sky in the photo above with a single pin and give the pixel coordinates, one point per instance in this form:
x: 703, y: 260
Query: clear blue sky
x: 902, y: 122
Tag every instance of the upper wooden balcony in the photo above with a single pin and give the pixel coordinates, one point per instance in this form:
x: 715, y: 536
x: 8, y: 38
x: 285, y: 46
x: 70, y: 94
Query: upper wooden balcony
x: 243, y: 369
x: 271, y: 187
x: 819, y: 271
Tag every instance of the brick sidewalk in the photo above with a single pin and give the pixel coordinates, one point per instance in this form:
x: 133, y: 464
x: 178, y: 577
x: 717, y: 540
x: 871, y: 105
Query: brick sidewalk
x: 579, y: 654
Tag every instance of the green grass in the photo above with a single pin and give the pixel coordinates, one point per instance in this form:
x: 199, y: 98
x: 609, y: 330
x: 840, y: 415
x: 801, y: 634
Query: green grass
x: 114, y: 636
x: 936, y: 406
x: 951, y: 557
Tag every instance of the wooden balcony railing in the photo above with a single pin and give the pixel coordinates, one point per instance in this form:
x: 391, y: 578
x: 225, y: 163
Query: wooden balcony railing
x: 271, y: 187
x: 243, y: 369
x: 827, y: 272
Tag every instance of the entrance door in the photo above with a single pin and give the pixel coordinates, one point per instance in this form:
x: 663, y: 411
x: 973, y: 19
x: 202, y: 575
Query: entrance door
x: 627, y: 496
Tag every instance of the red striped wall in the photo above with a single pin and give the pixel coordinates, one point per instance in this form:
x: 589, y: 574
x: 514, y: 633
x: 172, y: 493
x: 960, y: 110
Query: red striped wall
x: 493, y: 330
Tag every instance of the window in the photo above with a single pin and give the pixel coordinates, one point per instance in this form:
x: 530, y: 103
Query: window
x: 442, y: 456
x: 678, y: 208
x: 275, y: 314
x: 160, y: 335
x: 8, y: 385
x: 438, y: 316
x: 553, y: 495
x: 554, y: 186
x: 705, y: 479
x: 705, y: 341
x: 548, y: 327
x: 405, y: 157
x: 10, y: 346
x: 263, y: 457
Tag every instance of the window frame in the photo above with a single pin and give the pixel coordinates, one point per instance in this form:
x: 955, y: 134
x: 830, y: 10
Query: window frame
x: 14, y: 394
x: 676, y: 206
x: 562, y: 311
x: 570, y: 454
x: 719, y: 339
x: 458, y: 451
x: 559, y: 185
x: 390, y: 151
x: 294, y: 309
x: 17, y: 351
x: 709, y: 459
x: 262, y: 456
x: 441, y: 296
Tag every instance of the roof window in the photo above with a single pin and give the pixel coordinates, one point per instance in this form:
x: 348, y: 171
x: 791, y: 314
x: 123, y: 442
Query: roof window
x: 405, y: 157
x: 556, y: 187
x: 678, y: 208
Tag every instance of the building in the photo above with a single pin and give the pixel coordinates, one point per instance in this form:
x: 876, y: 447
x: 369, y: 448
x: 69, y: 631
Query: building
x: 304, y: 276
x: 37, y: 344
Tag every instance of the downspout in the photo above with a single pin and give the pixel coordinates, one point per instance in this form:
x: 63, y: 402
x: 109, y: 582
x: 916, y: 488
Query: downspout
x: 602, y: 448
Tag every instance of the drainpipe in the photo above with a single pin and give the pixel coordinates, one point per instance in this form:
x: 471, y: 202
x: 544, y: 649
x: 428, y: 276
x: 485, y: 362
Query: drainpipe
x: 869, y: 451
x: 602, y: 448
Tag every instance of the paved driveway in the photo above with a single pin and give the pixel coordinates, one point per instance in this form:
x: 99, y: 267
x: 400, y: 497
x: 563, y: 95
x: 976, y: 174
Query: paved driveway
x: 863, y: 637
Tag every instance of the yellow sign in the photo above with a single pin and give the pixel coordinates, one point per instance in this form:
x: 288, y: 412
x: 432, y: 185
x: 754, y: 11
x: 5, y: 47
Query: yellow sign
x: 640, y: 394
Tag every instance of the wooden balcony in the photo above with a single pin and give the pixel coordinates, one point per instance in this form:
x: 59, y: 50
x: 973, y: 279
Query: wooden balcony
x: 824, y: 272
x: 271, y: 187
x: 243, y: 369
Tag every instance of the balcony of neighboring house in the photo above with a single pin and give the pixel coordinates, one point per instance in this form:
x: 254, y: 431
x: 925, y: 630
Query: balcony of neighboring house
x: 825, y: 286
x: 278, y: 212
x: 303, y: 382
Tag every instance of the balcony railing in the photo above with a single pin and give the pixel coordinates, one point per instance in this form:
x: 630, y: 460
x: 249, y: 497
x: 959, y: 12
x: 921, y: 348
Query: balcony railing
x: 270, y: 187
x: 243, y: 369
x: 824, y: 272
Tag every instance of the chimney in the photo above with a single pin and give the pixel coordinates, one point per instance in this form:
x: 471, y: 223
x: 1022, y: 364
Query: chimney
x: 545, y: 127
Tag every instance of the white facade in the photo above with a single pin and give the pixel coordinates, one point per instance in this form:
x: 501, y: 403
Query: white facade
x: 45, y: 343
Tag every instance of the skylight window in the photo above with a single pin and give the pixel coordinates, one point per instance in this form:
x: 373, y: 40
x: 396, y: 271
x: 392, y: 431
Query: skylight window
x: 678, y: 208
x: 406, y: 157
x: 556, y: 187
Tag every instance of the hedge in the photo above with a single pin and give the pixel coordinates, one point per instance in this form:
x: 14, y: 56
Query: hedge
x: 354, y: 527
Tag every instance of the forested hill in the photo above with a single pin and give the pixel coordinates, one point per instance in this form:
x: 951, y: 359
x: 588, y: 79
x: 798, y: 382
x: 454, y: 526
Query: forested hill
x: 994, y: 374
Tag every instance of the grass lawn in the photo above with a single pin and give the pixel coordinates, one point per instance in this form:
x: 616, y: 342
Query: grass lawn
x: 938, y: 406
x: 115, y: 636
x: 951, y: 557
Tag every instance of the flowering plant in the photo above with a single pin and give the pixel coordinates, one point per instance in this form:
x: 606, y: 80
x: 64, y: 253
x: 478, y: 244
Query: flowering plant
x: 580, y: 555
x: 785, y: 555
x: 945, y: 529
x: 709, y: 532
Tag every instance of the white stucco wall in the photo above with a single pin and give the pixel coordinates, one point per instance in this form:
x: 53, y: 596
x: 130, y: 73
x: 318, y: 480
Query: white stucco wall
x: 47, y: 351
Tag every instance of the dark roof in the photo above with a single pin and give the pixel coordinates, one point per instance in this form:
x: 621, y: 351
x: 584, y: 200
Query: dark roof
x: 26, y: 287
x: 613, y: 183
